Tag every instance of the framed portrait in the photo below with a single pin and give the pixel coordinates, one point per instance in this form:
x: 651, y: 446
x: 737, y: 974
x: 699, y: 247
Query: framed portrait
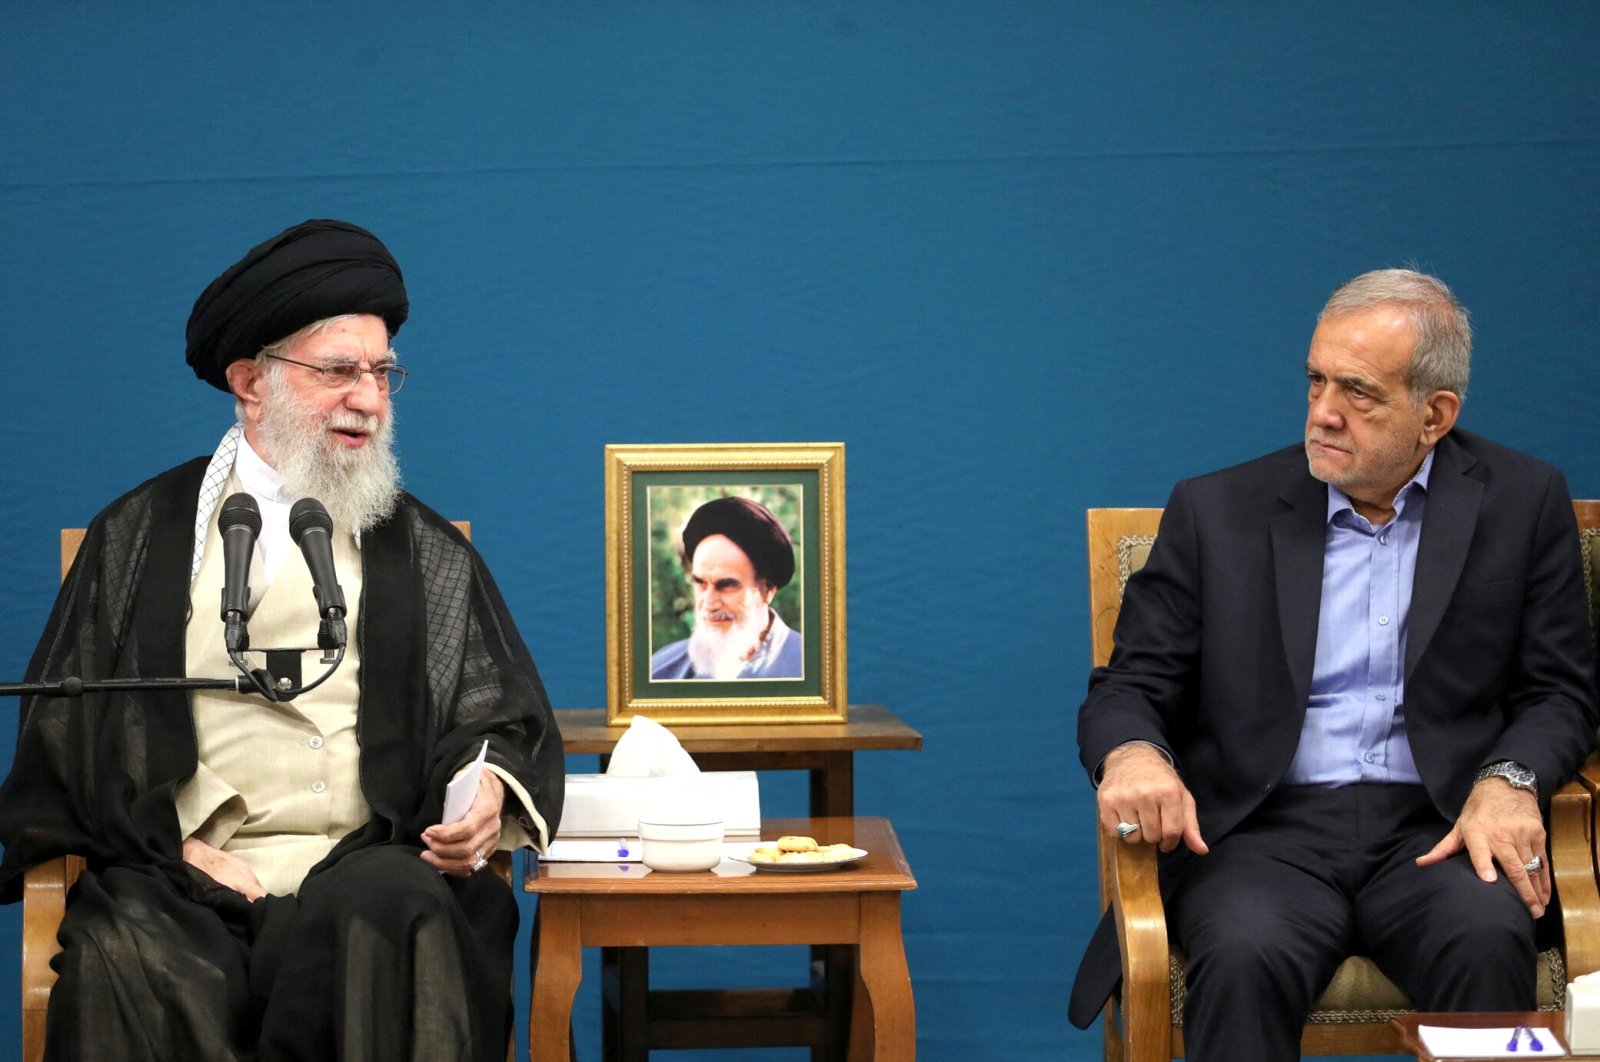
x: 725, y: 583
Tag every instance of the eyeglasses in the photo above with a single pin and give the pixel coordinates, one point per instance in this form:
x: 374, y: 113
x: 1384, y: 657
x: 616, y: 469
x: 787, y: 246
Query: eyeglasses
x: 344, y: 375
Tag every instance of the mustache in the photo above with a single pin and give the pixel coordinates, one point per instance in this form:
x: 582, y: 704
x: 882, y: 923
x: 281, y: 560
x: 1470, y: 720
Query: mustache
x: 721, y: 615
x: 347, y: 421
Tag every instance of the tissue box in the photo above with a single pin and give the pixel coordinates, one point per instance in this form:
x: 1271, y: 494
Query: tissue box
x: 1583, y: 1019
x: 604, y: 805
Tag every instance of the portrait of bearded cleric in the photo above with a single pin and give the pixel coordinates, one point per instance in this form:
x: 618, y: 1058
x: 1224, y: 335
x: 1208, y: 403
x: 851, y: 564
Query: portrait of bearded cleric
x: 725, y: 594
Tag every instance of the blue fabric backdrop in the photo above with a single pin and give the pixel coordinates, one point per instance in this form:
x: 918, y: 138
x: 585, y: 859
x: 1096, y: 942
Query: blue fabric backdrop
x: 1022, y: 258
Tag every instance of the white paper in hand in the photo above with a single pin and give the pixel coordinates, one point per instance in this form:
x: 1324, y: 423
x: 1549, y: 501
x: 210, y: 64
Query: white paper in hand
x: 463, y: 789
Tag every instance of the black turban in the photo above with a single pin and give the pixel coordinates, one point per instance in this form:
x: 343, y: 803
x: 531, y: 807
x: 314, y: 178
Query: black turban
x: 315, y: 270
x: 752, y: 528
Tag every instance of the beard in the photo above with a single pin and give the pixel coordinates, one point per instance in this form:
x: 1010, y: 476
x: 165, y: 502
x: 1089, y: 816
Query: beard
x: 720, y: 653
x: 360, y: 487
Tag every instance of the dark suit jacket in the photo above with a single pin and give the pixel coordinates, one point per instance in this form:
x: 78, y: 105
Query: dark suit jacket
x: 1217, y: 636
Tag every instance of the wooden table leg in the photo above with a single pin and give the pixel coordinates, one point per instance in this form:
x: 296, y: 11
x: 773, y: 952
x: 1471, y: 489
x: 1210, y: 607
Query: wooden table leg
x: 556, y: 974
x: 859, y: 1048
x: 887, y: 978
x: 611, y: 988
x: 832, y: 792
x: 628, y: 1033
x: 833, y: 785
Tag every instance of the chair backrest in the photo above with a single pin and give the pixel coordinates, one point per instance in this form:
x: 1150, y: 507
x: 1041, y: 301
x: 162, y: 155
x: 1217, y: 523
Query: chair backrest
x: 72, y: 541
x: 1119, y: 544
x: 1588, y: 513
x: 1120, y: 539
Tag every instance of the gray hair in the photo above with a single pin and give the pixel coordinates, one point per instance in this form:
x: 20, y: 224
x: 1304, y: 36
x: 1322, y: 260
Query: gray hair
x: 1442, y: 358
x: 280, y: 349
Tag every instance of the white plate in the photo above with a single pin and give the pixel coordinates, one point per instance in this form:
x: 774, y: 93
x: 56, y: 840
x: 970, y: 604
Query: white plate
x: 809, y: 867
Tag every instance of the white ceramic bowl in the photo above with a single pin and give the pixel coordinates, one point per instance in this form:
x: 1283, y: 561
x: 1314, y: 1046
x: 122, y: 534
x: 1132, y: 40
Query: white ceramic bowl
x: 680, y: 845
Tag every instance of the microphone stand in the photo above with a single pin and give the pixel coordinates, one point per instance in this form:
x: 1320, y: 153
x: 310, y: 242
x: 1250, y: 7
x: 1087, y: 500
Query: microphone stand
x: 72, y: 686
x: 249, y: 680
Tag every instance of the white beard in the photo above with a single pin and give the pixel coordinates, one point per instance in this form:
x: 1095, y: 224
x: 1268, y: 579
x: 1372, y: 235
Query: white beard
x: 359, y: 487
x: 721, y: 654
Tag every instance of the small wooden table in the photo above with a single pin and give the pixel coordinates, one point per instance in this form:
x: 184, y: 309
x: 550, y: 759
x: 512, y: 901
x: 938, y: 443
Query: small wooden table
x: 635, y: 1016
x: 622, y: 905
x: 1552, y: 1021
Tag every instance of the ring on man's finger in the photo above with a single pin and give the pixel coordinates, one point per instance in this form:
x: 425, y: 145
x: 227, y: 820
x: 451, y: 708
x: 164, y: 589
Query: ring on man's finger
x: 478, y: 861
x: 1127, y: 829
x: 1534, y: 865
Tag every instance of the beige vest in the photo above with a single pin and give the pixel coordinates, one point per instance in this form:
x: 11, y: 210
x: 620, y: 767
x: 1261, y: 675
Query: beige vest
x: 278, y: 784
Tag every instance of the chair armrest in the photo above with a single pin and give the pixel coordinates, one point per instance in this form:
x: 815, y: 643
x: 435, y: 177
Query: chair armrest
x: 502, y: 864
x: 1142, y: 934
x: 1589, y: 774
x: 44, y: 903
x: 1572, y: 862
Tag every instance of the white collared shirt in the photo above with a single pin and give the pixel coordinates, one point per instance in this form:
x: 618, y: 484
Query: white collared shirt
x: 262, y: 481
x: 236, y: 458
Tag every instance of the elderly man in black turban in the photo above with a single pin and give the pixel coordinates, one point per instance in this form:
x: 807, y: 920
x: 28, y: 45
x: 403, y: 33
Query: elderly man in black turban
x: 274, y: 880
x: 737, y: 556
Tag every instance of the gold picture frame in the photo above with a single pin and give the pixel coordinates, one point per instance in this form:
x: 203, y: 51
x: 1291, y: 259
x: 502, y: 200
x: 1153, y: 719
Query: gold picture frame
x: 795, y: 672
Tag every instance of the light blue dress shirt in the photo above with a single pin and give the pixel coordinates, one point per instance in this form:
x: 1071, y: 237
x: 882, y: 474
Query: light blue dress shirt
x: 1355, y: 727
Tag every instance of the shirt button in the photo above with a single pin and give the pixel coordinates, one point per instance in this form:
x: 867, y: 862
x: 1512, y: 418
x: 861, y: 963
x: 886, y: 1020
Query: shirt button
x: 1383, y: 621
x: 1370, y: 757
x: 1380, y: 698
x: 316, y: 741
x: 1383, y: 540
x: 318, y: 786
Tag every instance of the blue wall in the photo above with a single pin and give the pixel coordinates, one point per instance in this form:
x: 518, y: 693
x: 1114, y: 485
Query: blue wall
x: 1022, y: 258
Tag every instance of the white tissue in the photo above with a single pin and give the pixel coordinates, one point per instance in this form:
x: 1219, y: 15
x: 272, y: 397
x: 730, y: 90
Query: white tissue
x: 649, y: 750
x: 651, y: 776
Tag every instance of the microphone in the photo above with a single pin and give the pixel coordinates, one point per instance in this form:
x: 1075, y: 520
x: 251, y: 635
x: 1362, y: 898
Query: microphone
x: 239, y: 524
x: 312, y: 530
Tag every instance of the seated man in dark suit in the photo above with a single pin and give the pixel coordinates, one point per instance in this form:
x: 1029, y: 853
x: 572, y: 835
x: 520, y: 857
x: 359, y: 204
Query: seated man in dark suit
x: 1342, y: 688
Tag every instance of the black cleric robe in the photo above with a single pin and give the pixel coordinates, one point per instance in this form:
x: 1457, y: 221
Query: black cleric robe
x: 443, y: 668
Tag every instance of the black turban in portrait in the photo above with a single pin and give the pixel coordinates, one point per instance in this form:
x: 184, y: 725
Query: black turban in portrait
x: 315, y: 270
x: 750, y: 527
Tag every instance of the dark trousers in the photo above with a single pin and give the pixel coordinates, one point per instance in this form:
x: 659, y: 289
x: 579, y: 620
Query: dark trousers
x: 1317, y: 874
x: 378, y: 958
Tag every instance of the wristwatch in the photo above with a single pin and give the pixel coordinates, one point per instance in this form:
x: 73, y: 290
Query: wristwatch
x: 1514, y: 773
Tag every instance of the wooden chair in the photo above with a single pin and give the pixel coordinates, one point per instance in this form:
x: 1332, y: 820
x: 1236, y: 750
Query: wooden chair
x: 45, y: 888
x: 1144, y: 1020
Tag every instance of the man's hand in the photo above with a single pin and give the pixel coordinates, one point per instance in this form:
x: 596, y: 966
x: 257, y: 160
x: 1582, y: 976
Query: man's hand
x: 224, y: 868
x: 457, y: 848
x: 1138, y: 785
x: 1500, y: 823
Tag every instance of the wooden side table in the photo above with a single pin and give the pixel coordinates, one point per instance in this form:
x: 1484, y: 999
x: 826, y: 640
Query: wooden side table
x: 625, y: 905
x: 634, y: 1017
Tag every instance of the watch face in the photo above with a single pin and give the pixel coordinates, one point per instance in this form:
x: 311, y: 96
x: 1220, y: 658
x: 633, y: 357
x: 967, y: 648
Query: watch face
x: 1517, y: 775
x: 1514, y: 773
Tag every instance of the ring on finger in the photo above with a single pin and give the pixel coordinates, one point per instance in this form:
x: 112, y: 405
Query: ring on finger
x: 1534, y: 865
x: 1127, y: 829
x: 478, y: 861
